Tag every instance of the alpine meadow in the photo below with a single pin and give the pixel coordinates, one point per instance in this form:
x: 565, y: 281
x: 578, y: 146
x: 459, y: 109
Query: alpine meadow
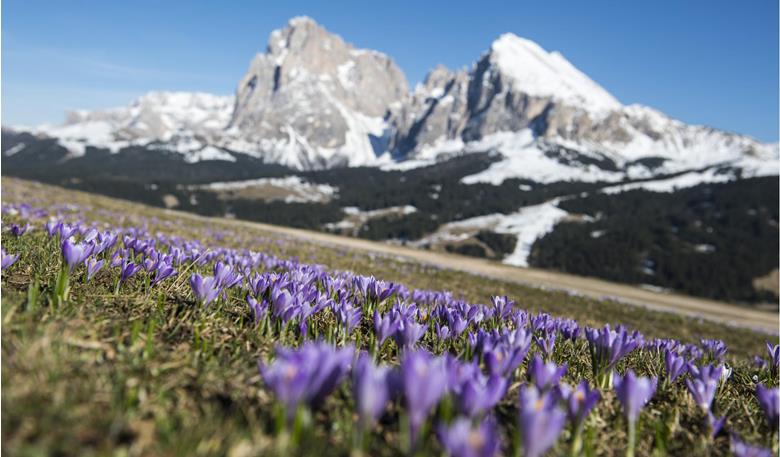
x: 460, y: 246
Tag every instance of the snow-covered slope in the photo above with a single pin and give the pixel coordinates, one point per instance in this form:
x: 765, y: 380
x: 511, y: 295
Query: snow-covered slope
x: 547, y: 74
x: 528, y: 224
x: 183, y: 122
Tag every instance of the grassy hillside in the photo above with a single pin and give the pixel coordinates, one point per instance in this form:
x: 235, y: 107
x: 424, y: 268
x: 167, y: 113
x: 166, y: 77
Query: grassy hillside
x: 147, y: 370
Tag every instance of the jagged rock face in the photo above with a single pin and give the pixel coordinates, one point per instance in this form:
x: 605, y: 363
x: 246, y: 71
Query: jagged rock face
x: 436, y: 111
x: 312, y: 100
x: 492, y: 98
x: 495, y: 105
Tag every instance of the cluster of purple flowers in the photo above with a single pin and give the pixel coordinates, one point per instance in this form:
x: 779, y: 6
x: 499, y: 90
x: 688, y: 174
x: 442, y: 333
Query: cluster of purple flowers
x: 502, y: 349
x: 607, y: 348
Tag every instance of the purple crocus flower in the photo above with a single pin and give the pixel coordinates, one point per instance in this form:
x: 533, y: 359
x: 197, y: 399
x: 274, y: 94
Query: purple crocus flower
x: 502, y: 306
x: 424, y: 380
x: 52, y: 228
x: 542, y: 322
x: 224, y: 275
x: 704, y: 384
x: 93, y: 266
x: 384, y: 326
x: 546, y: 344
x: 716, y: 349
x: 151, y: 263
x: 479, y: 393
x: 540, y: 420
x: 370, y: 389
x: 769, y: 399
x: 703, y: 392
x: 713, y: 372
x: 545, y: 375
x: 18, y: 231
x: 675, y: 366
x: 607, y: 347
x: 116, y: 258
x: 283, y: 304
x: 204, y: 288
x: 503, y: 359
x: 347, y: 315
x: 7, y: 259
x: 634, y: 392
x: 66, y: 231
x: 408, y: 333
x: 774, y: 355
x: 462, y: 439
x: 163, y: 272
x: 569, y: 329
x: 306, y: 375
x: 378, y: 291
x: 259, y: 308
x: 579, y: 402
x: 127, y: 270
x: 75, y: 253
x: 456, y: 323
x: 742, y: 449
x: 442, y: 331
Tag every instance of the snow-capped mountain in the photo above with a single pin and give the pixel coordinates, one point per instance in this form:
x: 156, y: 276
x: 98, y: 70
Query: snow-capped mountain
x: 186, y: 122
x: 313, y: 101
x: 551, y: 122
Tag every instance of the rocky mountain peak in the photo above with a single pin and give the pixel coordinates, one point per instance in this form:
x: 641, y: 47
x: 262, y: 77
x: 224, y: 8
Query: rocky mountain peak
x: 313, y: 100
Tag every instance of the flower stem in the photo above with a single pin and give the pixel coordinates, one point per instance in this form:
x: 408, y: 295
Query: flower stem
x: 576, y: 443
x: 62, y: 288
x: 631, y: 439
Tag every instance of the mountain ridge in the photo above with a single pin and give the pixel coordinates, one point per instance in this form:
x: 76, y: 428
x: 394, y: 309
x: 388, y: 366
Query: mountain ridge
x: 314, y: 101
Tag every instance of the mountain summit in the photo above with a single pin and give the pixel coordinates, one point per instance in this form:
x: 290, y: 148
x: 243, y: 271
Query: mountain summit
x: 546, y: 74
x: 313, y: 101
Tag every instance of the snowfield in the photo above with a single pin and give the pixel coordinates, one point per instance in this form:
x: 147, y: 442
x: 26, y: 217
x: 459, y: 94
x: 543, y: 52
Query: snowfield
x: 291, y: 189
x: 528, y: 225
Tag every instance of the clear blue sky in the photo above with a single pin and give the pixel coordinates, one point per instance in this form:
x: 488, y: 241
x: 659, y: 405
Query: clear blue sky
x: 710, y: 62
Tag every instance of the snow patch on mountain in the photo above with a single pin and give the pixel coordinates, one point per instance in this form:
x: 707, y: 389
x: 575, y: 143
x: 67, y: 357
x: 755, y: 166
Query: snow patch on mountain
x: 15, y: 149
x: 208, y: 153
x: 356, y: 218
x: 293, y: 188
x: 682, y: 181
x: 523, y: 157
x: 528, y: 224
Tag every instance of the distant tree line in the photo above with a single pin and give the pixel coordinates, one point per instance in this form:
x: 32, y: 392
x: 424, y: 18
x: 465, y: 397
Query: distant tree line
x: 711, y: 240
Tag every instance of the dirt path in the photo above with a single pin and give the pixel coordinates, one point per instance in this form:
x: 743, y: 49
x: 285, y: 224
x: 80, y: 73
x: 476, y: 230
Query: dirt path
x: 590, y: 287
